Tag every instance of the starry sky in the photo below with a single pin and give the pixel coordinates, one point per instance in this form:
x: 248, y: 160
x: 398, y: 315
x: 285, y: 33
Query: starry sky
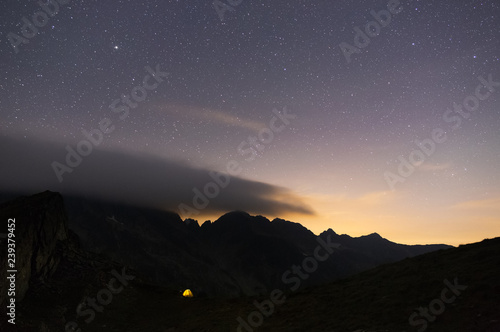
x: 291, y: 109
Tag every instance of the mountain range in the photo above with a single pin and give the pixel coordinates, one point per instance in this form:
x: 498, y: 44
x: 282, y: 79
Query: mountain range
x: 68, y: 248
x: 237, y: 254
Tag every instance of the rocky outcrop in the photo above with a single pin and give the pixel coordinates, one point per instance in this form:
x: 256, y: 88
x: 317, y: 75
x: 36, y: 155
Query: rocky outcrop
x: 40, y: 226
x: 53, y: 274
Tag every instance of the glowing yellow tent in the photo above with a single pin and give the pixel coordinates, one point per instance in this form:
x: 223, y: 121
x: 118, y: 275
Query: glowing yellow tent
x: 187, y: 293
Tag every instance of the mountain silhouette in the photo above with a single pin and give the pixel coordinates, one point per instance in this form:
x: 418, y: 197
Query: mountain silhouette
x: 72, y: 243
x: 237, y: 254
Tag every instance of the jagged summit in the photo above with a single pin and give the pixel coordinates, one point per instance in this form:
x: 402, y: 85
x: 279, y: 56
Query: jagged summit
x: 233, y: 216
x: 330, y: 232
x: 375, y: 235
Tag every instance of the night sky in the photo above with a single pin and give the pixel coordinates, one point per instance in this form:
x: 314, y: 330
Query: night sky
x: 316, y: 118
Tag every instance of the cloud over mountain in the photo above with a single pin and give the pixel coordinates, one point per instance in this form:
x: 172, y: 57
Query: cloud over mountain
x: 144, y: 180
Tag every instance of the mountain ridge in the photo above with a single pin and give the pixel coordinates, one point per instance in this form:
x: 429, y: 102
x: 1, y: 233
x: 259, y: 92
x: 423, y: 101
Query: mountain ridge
x: 381, y: 298
x: 237, y: 254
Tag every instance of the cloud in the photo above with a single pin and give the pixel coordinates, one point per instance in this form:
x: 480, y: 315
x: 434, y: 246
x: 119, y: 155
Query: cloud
x: 373, y: 198
x: 484, y: 204
x: 143, y: 180
x: 211, y: 115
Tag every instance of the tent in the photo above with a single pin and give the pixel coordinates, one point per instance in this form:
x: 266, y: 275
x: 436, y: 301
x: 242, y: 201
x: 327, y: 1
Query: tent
x: 187, y: 293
